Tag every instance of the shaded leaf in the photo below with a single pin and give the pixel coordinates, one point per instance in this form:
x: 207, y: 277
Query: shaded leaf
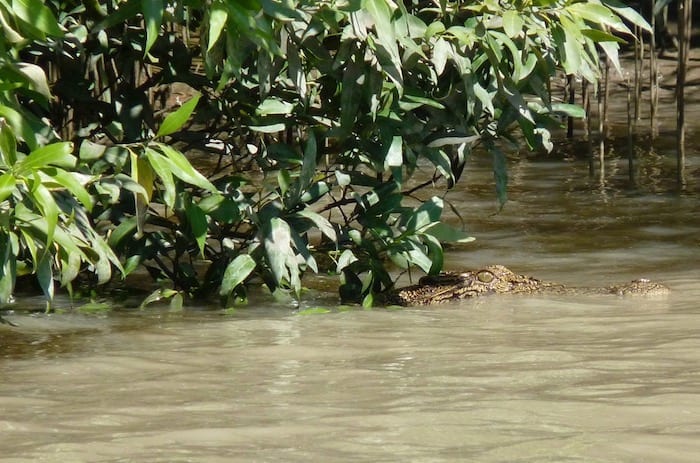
x: 153, y: 17
x: 198, y: 224
x: 217, y: 20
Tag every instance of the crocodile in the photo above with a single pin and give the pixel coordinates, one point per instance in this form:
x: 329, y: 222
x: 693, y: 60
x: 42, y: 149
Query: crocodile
x: 497, y: 279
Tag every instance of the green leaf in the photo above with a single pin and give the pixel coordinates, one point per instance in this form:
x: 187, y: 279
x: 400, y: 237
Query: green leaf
x: 8, y: 145
x: 90, y: 151
x: 8, y: 269
x: 55, y: 154
x: 500, y: 174
x: 177, y: 302
x: 124, y: 230
x: 49, y: 209
x: 394, y: 156
x: 426, y: 214
x: 442, y: 52
x: 321, y: 223
x: 7, y: 185
x: 38, y: 16
x: 346, y: 258
x: 236, y: 272
x: 37, y: 79
x: 280, y: 256
x: 198, y: 224
x: 181, y: 168
x: 569, y: 50
x: 423, y: 101
x: 157, y: 295
x: 70, y: 267
x: 71, y: 181
x: 628, y: 13
x: 22, y: 127
x: 44, y: 274
x: 217, y: 20
x: 597, y: 14
x: 106, y: 258
x: 570, y: 110
x: 174, y: 121
x: 163, y: 169
x: 512, y: 23
x: 601, y: 36
x: 153, y: 17
x: 274, y: 106
x: 272, y: 128
x: 388, y: 51
x: 308, y: 166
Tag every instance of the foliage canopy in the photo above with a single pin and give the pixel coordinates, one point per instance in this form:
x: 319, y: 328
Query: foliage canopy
x: 317, y: 116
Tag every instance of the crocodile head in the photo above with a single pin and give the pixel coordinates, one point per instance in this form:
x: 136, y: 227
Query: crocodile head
x: 455, y: 285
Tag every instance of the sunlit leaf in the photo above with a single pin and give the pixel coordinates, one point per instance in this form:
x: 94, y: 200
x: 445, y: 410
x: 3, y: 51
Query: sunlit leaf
x: 323, y: 224
x: 157, y: 295
x: 512, y: 23
x: 73, y: 183
x: 274, y: 106
x: 628, y: 13
x: 278, y: 250
x: 38, y: 16
x: 22, y: 127
x: 7, y: 185
x: 427, y: 213
x: 181, y: 168
x: 570, y: 110
x: 597, y: 14
x: 272, y: 128
x: 163, y: 169
x: 236, y: 273
x: 49, y: 209
x: 394, y: 156
x: 37, y: 77
x: 346, y: 258
x: 146, y: 176
x: 174, y: 121
x: 55, y: 154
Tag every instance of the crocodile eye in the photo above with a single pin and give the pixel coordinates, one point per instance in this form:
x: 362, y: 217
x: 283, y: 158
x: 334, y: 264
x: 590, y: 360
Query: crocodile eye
x: 485, y: 276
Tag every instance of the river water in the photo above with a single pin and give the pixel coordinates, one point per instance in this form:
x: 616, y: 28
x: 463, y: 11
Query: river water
x: 499, y: 379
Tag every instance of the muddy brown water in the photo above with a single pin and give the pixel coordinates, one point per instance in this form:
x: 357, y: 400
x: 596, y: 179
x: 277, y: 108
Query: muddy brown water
x: 498, y: 379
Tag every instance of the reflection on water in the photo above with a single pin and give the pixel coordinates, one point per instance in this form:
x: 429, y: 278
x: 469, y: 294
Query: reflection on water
x: 500, y: 379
